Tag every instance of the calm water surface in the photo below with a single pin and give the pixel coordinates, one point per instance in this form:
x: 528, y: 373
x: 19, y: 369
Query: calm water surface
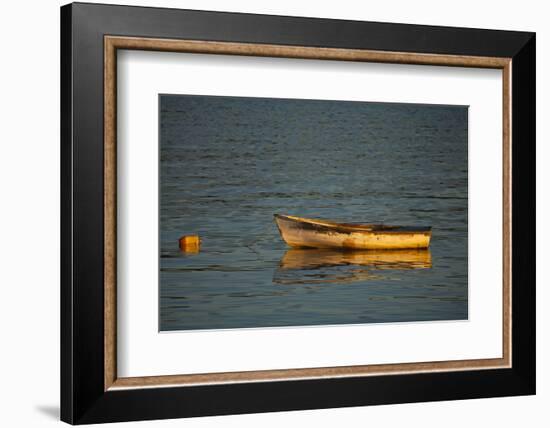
x: 228, y: 164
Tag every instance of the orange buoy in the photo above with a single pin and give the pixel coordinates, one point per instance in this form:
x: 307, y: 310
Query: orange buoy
x: 190, y: 243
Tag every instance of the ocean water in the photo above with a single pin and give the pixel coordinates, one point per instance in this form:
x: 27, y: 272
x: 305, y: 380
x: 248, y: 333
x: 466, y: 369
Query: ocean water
x: 227, y: 164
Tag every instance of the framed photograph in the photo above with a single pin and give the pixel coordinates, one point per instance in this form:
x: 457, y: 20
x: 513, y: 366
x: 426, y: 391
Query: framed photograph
x: 266, y: 213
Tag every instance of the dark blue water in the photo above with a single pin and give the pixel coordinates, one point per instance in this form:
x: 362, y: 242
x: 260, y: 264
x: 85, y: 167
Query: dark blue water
x: 228, y: 164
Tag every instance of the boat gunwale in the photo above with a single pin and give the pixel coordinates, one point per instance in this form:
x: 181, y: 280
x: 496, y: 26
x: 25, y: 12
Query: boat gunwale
x: 350, y: 228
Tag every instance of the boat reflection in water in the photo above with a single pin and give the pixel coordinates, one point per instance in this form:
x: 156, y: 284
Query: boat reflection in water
x: 318, y: 266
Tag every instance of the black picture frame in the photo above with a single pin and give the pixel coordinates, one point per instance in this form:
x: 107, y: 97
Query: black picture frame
x: 83, y: 398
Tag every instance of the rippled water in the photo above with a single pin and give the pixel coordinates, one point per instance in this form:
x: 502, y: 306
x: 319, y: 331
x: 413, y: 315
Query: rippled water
x: 228, y: 164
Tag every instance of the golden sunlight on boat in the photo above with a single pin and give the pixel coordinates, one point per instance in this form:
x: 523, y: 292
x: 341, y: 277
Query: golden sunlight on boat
x: 300, y: 232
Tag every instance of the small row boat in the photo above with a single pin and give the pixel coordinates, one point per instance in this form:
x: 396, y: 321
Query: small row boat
x: 300, y: 232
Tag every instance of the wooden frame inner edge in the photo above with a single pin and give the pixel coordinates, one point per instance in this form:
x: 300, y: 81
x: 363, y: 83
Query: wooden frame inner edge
x: 112, y: 43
